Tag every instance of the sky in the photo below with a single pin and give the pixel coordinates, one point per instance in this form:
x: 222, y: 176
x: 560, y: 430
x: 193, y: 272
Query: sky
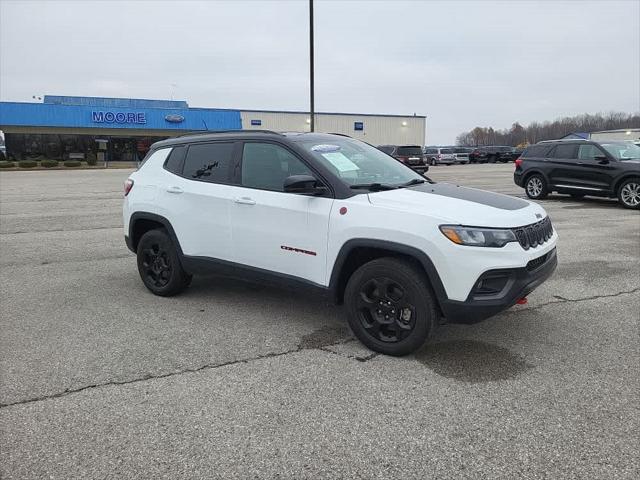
x: 460, y: 63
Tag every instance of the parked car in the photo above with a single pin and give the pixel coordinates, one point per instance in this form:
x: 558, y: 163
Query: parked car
x: 439, y: 156
x: 334, y: 215
x: 579, y: 168
x: 478, y: 155
x: 410, y: 155
x: 499, y: 153
x: 492, y: 154
x: 461, y: 155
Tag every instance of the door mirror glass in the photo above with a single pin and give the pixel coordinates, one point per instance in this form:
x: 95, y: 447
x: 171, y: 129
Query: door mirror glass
x: 304, y: 185
x: 601, y: 159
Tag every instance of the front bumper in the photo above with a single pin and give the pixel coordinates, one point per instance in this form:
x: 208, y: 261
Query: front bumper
x: 518, y: 283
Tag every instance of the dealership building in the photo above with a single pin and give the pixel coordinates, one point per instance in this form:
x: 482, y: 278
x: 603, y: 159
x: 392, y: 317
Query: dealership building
x: 122, y: 129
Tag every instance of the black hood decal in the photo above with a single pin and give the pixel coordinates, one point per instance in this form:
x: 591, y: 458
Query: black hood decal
x: 495, y: 200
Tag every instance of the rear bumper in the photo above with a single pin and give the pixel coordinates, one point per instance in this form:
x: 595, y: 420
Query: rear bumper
x: 517, y: 179
x: 519, y: 282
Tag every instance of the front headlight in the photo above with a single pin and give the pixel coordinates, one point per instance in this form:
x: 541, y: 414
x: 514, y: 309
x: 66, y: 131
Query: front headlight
x: 478, y: 237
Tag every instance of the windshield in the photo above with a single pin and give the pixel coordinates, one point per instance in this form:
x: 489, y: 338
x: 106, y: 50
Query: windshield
x: 623, y: 150
x: 356, y: 162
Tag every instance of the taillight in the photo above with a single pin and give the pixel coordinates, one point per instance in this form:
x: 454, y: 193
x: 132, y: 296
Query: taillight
x: 518, y: 162
x: 128, y: 185
x: 402, y: 158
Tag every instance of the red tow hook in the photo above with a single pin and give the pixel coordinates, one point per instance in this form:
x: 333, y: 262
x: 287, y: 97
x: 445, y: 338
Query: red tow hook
x: 522, y: 301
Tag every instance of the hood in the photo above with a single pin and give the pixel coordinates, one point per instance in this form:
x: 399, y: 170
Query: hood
x: 461, y: 205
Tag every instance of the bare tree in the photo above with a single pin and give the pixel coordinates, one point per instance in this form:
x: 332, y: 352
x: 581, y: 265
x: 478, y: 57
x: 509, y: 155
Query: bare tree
x: 536, y: 131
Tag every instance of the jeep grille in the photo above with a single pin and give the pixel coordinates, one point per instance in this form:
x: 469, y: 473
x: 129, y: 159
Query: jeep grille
x: 530, y: 236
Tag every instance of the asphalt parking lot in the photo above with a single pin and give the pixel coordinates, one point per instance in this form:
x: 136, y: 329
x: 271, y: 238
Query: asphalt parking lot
x: 100, y: 379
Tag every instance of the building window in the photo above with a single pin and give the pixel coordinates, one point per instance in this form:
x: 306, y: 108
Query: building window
x: 256, y: 122
x: 358, y: 125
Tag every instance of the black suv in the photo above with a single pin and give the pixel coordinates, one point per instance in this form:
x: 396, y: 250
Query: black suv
x: 492, y: 154
x: 579, y: 168
x: 410, y: 155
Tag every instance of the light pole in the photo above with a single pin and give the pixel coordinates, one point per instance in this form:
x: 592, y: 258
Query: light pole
x: 312, y: 108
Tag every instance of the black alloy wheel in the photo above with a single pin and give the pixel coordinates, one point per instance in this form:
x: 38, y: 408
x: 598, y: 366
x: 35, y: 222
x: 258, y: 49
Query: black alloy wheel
x: 384, y: 310
x: 390, y: 306
x: 156, y: 264
x: 159, y: 265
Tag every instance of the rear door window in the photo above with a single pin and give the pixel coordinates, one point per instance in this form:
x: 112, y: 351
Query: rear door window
x: 446, y: 150
x: 209, y: 162
x: 566, y: 151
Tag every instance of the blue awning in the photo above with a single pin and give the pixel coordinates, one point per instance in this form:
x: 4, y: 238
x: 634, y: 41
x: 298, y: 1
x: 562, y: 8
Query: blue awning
x: 95, y: 112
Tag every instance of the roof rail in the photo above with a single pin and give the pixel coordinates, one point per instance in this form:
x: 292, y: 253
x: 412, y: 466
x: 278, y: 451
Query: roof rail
x: 566, y: 140
x: 209, y: 132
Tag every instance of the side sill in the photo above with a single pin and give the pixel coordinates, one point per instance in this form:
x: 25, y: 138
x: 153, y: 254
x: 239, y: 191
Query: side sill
x: 213, y: 266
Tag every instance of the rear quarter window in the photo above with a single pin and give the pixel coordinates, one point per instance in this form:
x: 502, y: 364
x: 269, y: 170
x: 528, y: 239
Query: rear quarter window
x: 175, y: 162
x: 535, y: 151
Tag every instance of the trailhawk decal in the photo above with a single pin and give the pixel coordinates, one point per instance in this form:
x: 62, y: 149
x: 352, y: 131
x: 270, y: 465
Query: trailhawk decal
x: 297, y: 250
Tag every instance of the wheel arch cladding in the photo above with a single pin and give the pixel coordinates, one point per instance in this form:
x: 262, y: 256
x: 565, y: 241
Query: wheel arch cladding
x: 142, y: 222
x: 527, y: 175
x: 356, y: 252
x: 627, y: 176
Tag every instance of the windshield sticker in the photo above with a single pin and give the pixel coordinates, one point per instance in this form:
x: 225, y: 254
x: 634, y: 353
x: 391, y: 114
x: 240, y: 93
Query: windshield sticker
x: 325, y: 148
x: 342, y: 163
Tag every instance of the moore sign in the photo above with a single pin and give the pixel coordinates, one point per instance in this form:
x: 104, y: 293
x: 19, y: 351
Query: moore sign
x: 118, y: 117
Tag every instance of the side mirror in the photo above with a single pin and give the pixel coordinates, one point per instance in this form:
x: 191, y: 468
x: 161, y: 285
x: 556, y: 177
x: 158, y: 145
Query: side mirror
x: 304, y: 185
x: 601, y: 159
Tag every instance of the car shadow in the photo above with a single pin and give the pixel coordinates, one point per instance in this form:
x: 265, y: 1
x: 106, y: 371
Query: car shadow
x: 471, y: 361
x: 303, y: 307
x: 449, y: 353
x: 586, y: 202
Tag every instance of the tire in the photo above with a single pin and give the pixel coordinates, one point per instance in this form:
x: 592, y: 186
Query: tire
x: 433, y: 162
x: 390, y: 289
x: 629, y: 193
x: 536, y: 187
x: 159, y: 266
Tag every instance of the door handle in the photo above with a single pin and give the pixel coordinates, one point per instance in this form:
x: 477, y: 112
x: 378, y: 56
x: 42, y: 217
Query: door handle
x: 174, y: 190
x: 245, y: 201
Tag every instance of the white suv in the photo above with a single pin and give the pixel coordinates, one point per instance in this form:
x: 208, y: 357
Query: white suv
x: 339, y: 216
